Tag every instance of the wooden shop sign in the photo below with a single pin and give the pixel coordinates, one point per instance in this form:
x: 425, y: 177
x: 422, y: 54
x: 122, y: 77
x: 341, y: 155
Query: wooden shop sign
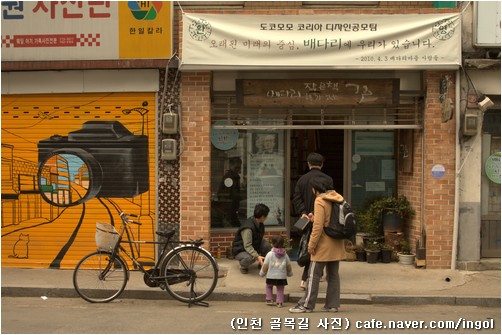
x: 317, y: 92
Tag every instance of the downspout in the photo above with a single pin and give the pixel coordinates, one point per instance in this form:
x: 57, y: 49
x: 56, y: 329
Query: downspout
x: 423, y: 227
x: 457, y: 173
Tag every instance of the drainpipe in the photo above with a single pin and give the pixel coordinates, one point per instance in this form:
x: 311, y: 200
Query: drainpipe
x: 457, y: 173
x: 423, y: 227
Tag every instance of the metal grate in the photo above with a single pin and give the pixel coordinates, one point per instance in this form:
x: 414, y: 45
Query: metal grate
x: 408, y: 114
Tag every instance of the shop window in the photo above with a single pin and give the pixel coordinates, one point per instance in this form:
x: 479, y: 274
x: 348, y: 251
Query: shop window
x: 373, y: 166
x: 247, y: 168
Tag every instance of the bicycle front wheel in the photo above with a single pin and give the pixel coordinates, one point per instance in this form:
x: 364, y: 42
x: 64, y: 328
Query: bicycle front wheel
x: 99, y: 277
x: 191, y: 274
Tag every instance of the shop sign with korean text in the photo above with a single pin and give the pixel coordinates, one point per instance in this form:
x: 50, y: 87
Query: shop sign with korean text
x: 317, y: 92
x: 85, y: 30
x: 410, y: 41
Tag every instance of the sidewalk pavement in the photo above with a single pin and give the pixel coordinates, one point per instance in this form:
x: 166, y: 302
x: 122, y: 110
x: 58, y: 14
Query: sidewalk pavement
x: 361, y: 283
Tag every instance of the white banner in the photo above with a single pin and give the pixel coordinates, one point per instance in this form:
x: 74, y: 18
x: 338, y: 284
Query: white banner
x: 219, y: 41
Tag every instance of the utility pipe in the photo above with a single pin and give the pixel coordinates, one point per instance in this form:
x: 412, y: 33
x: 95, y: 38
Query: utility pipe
x: 457, y: 173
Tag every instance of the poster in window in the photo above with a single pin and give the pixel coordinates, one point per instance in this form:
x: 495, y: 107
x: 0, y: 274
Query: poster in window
x: 266, y: 174
x: 265, y: 143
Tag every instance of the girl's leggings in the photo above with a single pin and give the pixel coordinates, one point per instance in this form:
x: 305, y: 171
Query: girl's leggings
x: 279, y: 297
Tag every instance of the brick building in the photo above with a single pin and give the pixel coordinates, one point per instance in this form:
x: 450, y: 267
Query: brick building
x: 429, y: 139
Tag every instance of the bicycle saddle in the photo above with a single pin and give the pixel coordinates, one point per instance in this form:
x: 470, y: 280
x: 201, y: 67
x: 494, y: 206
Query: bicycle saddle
x: 166, y: 234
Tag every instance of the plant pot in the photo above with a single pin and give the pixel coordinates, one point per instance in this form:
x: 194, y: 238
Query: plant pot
x: 360, y: 238
x: 406, y: 259
x: 392, y: 222
x: 386, y: 255
x: 360, y: 255
x: 368, y: 240
x: 372, y: 255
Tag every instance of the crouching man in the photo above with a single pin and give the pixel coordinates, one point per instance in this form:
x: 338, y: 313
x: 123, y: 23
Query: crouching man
x: 249, y: 244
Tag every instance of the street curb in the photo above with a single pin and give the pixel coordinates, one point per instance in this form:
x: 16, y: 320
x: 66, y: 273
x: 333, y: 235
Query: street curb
x: 353, y: 299
x: 437, y: 300
x: 478, y: 301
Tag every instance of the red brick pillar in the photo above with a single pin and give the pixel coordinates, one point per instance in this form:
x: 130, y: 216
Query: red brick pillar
x: 410, y: 185
x: 440, y: 146
x: 195, y: 162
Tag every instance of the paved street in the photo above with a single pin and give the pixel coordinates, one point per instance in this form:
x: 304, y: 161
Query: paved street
x: 72, y: 315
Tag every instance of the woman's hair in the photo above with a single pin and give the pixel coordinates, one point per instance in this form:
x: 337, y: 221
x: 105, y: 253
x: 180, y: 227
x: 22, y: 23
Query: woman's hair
x: 319, y: 185
x: 277, y: 241
x: 261, y: 210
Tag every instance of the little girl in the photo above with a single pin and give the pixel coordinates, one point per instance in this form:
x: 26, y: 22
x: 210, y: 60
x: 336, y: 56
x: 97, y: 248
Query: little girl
x: 277, y: 267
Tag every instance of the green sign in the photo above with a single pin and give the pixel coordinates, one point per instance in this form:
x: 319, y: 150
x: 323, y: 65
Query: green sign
x: 224, y: 139
x: 492, y: 168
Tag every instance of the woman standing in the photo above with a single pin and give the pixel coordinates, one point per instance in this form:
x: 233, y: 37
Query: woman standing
x: 325, y: 252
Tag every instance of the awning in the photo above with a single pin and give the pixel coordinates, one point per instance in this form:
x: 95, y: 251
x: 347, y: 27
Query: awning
x: 406, y: 114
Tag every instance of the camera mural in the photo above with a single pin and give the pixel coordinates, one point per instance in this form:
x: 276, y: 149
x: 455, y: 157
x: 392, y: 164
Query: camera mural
x: 69, y: 161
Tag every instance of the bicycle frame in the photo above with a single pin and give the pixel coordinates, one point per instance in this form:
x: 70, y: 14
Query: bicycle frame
x: 150, y: 272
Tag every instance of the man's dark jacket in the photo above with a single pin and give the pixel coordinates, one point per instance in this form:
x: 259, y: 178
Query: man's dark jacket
x: 258, y: 231
x: 303, y: 197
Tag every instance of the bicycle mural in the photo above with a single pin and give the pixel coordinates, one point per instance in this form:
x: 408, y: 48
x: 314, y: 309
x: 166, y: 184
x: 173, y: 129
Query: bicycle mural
x: 69, y: 161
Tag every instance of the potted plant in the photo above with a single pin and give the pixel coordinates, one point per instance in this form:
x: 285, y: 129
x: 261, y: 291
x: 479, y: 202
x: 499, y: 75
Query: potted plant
x: 406, y: 256
x: 368, y: 227
x: 372, y: 252
x: 386, y: 253
x: 391, y: 212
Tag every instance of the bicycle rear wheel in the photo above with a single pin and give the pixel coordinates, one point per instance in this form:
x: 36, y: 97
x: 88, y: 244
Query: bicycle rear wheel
x: 98, y: 278
x: 191, y: 274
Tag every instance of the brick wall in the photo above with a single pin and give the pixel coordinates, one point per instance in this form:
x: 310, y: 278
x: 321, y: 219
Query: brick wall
x: 195, y: 162
x: 410, y: 185
x: 225, y: 239
x: 439, y: 198
x: 439, y: 193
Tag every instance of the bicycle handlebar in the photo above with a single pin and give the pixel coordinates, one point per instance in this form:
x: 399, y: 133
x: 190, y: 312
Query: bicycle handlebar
x: 125, y: 218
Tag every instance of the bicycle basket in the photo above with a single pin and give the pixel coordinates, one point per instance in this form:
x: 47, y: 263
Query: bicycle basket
x: 106, y: 236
